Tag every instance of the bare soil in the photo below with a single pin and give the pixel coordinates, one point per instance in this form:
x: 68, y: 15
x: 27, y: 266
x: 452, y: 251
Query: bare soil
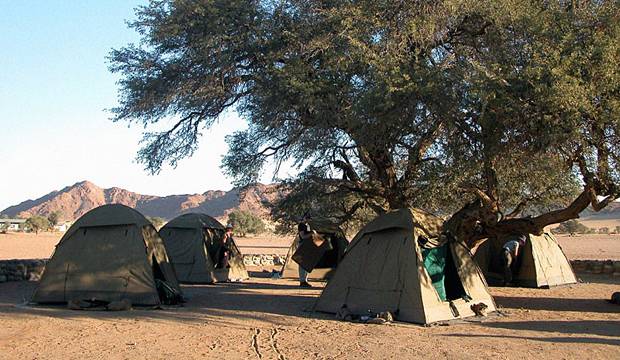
x: 31, y: 246
x: 28, y: 245
x: 273, y: 319
x: 591, y: 247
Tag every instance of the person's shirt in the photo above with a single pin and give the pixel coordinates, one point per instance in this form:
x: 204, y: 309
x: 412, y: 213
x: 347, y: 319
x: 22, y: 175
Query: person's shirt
x: 304, y: 229
x: 227, y: 241
x: 512, y: 246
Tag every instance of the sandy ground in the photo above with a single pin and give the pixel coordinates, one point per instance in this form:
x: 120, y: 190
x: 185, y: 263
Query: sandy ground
x: 27, y: 246
x: 271, y: 319
x: 591, y: 247
x: 601, y: 221
x: 31, y: 246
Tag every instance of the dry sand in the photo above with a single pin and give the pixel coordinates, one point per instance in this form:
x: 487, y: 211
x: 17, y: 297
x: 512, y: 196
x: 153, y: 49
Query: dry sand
x: 31, y: 246
x: 270, y: 319
x: 41, y: 246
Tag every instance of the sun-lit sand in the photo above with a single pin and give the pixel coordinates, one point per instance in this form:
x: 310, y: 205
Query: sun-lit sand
x: 31, y: 246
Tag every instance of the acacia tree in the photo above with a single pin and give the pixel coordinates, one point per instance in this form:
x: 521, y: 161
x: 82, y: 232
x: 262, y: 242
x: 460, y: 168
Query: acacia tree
x: 54, y: 218
x: 490, y: 111
x: 37, y: 223
x: 245, y: 222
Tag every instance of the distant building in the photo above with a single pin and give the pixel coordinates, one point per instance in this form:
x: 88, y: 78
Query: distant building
x: 62, y: 227
x: 12, y: 224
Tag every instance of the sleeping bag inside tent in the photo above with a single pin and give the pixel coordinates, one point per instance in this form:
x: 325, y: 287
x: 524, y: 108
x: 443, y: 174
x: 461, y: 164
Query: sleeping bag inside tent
x: 111, y: 253
x: 397, y: 263
x: 194, y: 244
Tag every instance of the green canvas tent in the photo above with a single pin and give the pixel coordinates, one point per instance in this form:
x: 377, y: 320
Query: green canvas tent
x: 396, y: 264
x: 542, y: 263
x: 110, y: 254
x: 192, y: 242
x: 328, y: 262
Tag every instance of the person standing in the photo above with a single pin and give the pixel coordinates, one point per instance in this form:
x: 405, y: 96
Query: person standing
x: 511, y: 252
x: 305, y: 234
x: 225, y: 249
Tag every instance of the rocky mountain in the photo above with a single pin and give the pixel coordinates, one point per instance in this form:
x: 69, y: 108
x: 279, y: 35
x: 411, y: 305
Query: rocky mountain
x: 75, y: 200
x: 611, y: 211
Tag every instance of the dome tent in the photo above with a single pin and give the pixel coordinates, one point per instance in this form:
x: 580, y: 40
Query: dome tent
x: 541, y: 264
x: 328, y: 262
x: 397, y: 264
x: 192, y: 242
x: 109, y: 254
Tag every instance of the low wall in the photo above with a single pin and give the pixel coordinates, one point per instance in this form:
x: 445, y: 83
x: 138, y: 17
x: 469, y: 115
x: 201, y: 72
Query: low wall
x: 610, y: 267
x: 263, y: 259
x: 30, y: 270
x: 20, y: 270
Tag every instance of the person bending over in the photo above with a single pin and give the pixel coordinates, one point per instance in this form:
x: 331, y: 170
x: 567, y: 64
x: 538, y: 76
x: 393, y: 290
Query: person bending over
x: 511, y: 252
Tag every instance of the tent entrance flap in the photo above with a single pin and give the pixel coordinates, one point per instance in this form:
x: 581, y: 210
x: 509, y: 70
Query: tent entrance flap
x: 157, y: 273
x: 309, y: 253
x: 331, y: 257
x: 439, y: 264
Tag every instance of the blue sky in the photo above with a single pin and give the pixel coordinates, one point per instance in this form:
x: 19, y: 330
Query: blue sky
x: 54, y: 89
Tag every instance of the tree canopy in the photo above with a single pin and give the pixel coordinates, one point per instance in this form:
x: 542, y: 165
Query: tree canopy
x: 503, y: 114
x: 37, y: 223
x: 54, y: 217
x: 245, y: 222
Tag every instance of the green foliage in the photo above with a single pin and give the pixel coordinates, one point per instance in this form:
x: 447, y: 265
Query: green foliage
x: 244, y: 222
x: 572, y: 227
x: 381, y: 106
x: 4, y: 227
x: 617, y: 230
x: 54, y: 217
x: 37, y: 223
x: 157, y: 222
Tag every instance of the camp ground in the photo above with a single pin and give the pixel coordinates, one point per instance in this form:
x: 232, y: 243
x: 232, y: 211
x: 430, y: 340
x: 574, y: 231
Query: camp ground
x: 328, y: 262
x: 275, y: 318
x: 541, y: 264
x: 193, y: 242
x: 394, y: 265
x: 112, y: 253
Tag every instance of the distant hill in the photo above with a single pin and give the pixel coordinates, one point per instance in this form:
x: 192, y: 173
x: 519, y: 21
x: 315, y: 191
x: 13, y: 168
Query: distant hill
x: 610, y: 211
x: 75, y: 200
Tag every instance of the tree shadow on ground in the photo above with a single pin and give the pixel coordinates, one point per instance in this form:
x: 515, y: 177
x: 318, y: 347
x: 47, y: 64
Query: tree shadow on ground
x: 597, y: 278
x: 557, y: 340
x: 589, y: 327
x: 556, y: 304
x: 220, y: 303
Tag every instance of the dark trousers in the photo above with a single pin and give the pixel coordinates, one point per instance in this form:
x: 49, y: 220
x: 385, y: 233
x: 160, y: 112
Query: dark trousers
x: 508, y: 261
x: 223, y: 258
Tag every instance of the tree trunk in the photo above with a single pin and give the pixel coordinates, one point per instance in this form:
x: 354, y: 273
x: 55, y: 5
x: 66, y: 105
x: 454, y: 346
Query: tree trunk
x: 470, y: 224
